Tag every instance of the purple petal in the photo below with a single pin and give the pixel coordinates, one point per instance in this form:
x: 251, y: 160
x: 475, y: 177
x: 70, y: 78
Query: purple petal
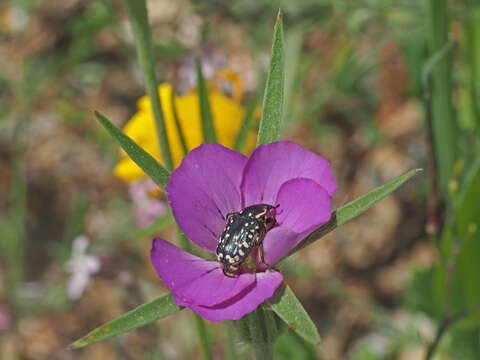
x: 303, y: 205
x: 271, y: 165
x: 278, y: 242
x: 204, y: 189
x: 193, y: 280
x: 235, y: 308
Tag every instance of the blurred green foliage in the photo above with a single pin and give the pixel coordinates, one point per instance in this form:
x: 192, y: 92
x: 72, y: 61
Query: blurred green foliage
x: 80, y: 68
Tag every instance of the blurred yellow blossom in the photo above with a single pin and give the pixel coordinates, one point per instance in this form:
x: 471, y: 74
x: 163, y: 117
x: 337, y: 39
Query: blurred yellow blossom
x: 227, y: 118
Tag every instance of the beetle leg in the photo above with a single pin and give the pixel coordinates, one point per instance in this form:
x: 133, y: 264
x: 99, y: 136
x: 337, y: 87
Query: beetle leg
x: 230, y: 214
x: 229, y: 274
x: 260, y: 252
x: 259, y: 243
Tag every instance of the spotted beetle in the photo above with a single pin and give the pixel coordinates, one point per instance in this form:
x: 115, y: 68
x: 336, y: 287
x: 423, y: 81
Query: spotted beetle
x: 244, y: 230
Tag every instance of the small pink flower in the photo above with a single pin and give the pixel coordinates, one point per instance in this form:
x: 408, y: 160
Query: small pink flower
x: 146, y: 208
x: 213, y: 181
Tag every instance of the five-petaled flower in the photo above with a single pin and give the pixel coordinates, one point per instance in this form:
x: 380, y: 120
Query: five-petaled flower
x: 213, y: 181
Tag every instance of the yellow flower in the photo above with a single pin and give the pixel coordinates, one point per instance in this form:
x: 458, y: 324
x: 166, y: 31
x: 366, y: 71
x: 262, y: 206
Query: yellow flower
x: 227, y: 118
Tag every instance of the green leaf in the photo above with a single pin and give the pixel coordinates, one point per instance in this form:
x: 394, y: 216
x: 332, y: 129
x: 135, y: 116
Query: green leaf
x: 137, y: 13
x: 208, y: 129
x: 247, y: 125
x: 272, y: 108
x: 138, y: 317
x: 465, y: 289
x: 290, y: 346
x: 286, y: 305
x: 363, y: 203
x: 147, y: 163
x: 353, y: 209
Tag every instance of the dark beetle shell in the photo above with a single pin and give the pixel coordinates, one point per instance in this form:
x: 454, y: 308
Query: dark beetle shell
x: 244, y: 230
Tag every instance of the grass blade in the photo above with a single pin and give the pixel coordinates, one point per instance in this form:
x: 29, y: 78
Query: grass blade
x: 443, y: 122
x: 247, y: 125
x: 208, y: 129
x: 134, y: 319
x: 272, y: 108
x: 286, y: 305
x: 143, y: 159
x: 178, y: 125
x: 137, y: 13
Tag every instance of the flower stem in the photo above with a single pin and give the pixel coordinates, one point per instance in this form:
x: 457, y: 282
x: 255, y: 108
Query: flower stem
x: 230, y: 351
x: 137, y: 13
x: 202, y: 337
x: 263, y: 331
x: 264, y: 352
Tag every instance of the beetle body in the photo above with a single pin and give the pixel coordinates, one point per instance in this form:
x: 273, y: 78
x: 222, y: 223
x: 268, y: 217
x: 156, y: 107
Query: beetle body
x: 244, y: 231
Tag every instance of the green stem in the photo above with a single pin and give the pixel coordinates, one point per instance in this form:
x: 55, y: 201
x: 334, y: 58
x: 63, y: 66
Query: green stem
x: 230, y: 350
x: 183, y: 142
x: 202, y: 337
x: 137, y: 13
x: 443, y: 122
x: 262, y: 334
x: 183, y: 240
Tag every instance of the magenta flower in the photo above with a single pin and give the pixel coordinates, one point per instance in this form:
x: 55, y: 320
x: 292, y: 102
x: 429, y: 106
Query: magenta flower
x: 213, y: 181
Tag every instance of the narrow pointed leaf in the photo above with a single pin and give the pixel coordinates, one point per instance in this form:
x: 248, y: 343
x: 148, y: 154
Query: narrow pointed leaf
x: 353, y: 209
x: 364, y: 202
x: 272, y: 108
x: 286, y: 305
x: 147, y: 163
x: 209, y: 135
x: 138, y: 15
x: 138, y: 317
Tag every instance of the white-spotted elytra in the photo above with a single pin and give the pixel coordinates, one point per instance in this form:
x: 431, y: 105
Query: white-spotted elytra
x: 244, y: 230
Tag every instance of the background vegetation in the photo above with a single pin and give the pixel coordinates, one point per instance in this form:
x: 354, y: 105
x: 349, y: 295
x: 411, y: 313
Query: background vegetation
x: 378, y: 87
